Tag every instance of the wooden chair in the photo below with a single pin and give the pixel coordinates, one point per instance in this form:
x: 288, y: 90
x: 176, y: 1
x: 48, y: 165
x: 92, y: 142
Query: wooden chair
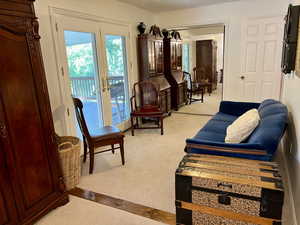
x: 146, y: 103
x: 193, y: 88
x: 104, y: 136
x: 200, y: 77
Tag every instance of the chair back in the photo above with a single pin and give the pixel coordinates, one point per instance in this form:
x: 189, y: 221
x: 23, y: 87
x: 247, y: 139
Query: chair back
x: 147, y: 95
x: 80, y: 118
x: 188, y: 77
x: 200, y: 75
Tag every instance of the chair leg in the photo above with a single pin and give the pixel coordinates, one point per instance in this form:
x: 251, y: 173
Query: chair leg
x: 113, y: 148
x: 84, y: 149
x: 132, y: 126
x: 122, y: 151
x: 91, y: 159
x: 202, y: 96
x: 162, y: 125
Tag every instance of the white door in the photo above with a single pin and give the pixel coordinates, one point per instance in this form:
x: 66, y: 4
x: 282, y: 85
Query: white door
x: 260, y: 76
x: 81, y: 50
x: 115, y: 41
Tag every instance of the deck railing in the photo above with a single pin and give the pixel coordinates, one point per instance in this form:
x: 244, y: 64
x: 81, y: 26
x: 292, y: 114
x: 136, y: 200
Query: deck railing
x: 85, y: 87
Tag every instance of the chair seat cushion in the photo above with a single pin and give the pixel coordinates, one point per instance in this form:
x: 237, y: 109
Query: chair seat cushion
x: 106, y: 132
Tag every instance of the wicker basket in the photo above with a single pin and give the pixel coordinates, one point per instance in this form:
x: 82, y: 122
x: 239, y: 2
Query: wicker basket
x: 69, y: 151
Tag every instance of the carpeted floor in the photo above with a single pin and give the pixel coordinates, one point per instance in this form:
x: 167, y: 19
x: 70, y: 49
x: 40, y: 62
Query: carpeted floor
x: 151, y: 160
x: 83, y: 212
x: 209, y: 106
x: 147, y: 178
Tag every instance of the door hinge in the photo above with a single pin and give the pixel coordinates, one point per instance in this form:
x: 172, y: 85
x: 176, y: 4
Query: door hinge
x: 56, y: 27
x: 68, y: 111
x: 62, y: 71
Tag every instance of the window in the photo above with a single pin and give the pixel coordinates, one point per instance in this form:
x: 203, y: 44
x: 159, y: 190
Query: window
x: 186, y: 57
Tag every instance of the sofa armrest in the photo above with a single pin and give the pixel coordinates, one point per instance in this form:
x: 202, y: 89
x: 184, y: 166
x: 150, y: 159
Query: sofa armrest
x: 237, y: 108
x: 242, y: 148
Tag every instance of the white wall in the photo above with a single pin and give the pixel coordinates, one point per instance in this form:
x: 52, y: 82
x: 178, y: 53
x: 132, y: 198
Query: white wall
x: 108, y: 9
x: 231, y: 14
x: 291, y: 97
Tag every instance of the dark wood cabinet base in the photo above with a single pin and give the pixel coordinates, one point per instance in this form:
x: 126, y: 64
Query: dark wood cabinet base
x: 31, y: 180
x: 62, y: 200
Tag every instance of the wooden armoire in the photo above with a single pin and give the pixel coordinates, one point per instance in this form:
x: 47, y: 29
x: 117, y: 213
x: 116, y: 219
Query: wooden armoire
x: 206, y: 59
x: 151, y: 66
x: 173, y: 71
x: 31, y: 181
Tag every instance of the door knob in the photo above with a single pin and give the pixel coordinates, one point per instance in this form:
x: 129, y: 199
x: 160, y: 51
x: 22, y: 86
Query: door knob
x: 242, y: 77
x: 3, y: 131
x: 103, y: 85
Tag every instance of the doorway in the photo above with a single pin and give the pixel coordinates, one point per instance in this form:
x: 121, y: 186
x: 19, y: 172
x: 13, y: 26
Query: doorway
x: 203, y: 58
x: 95, y: 69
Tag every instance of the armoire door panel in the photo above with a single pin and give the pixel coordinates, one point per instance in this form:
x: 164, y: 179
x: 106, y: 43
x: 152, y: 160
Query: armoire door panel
x: 7, y: 211
x: 8, y: 214
x: 28, y: 146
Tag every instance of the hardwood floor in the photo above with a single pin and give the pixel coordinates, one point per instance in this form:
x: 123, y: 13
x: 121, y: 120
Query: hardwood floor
x: 137, y: 209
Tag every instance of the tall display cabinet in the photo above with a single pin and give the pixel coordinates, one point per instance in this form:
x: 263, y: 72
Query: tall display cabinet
x: 31, y: 181
x: 173, y: 71
x: 206, y: 57
x: 151, y: 66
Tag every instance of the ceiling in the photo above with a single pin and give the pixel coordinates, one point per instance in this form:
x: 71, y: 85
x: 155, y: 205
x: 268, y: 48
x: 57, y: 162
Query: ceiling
x: 167, y: 5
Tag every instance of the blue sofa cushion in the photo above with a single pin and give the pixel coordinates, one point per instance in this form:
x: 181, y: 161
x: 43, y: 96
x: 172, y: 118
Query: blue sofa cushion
x: 273, y: 121
x: 261, y: 144
x: 214, y: 130
x: 237, y: 108
x: 224, y: 117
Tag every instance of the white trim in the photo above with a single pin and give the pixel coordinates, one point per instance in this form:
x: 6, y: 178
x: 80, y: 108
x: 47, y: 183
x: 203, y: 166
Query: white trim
x: 71, y: 13
x: 288, y: 178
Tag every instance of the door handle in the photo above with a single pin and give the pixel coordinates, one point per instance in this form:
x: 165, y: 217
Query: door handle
x: 3, y: 131
x: 103, y: 84
x: 242, y: 77
x: 107, y: 84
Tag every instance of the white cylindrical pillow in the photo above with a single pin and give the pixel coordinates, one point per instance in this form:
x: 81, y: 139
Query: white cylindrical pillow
x: 242, y: 127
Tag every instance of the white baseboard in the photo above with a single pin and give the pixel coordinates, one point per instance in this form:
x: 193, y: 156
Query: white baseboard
x: 288, y: 179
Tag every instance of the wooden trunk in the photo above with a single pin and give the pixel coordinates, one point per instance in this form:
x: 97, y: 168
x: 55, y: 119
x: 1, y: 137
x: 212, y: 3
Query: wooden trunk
x: 31, y: 181
x: 214, y: 190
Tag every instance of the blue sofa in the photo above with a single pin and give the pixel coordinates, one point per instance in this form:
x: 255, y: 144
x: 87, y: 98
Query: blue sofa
x: 262, y: 143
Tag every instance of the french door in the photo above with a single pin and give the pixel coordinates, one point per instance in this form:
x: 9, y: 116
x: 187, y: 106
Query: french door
x: 94, y: 64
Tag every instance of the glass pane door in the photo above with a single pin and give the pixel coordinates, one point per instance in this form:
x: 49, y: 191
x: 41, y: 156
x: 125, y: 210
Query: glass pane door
x: 117, y: 77
x: 83, y: 74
